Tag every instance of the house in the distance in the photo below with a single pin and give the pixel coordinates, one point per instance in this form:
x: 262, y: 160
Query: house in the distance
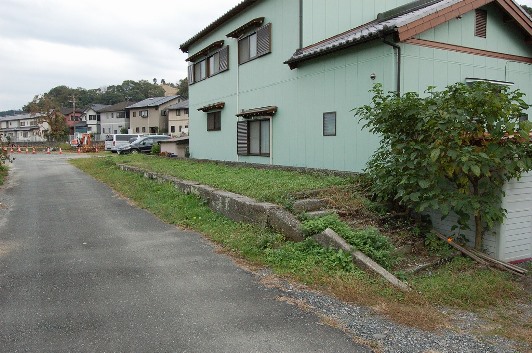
x: 74, y: 121
x: 178, y: 118
x: 22, y: 128
x: 151, y: 115
x: 114, y: 119
x: 91, y: 116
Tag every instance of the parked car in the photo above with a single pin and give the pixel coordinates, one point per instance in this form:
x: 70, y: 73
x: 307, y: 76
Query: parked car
x: 142, y: 144
x: 114, y: 141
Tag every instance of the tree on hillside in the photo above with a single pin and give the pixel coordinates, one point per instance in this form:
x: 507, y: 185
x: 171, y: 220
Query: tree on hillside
x: 450, y: 151
x: 47, y: 108
x: 129, y: 90
x: 527, y: 9
x: 182, y: 88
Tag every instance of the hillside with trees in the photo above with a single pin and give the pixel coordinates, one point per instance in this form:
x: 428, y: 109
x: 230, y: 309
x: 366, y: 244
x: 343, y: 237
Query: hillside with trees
x: 129, y: 90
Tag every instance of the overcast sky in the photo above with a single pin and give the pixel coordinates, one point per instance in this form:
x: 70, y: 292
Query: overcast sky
x: 95, y: 43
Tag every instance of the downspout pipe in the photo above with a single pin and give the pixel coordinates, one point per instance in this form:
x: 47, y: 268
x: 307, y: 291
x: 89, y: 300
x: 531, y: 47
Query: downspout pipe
x: 300, y: 24
x: 398, y: 48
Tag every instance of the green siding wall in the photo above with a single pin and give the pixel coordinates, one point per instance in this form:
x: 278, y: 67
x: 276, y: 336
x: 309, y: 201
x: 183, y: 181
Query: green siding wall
x: 326, y: 18
x: 501, y: 37
x: 334, y: 83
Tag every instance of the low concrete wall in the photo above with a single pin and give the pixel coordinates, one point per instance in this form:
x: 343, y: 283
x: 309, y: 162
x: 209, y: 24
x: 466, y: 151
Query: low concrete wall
x: 234, y: 206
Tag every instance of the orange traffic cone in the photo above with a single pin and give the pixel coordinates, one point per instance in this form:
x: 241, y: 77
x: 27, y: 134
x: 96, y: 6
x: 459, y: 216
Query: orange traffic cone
x: 11, y: 149
x: 60, y: 150
x: 18, y: 150
x: 33, y: 151
x: 48, y: 150
x: 26, y: 150
x: 96, y: 149
x: 79, y: 150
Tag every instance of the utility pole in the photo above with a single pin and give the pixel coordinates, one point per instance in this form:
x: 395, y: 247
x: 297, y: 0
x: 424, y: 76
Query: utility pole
x: 73, y: 101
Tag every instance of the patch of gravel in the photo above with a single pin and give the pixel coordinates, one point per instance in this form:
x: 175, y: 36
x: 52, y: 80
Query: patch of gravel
x: 385, y: 336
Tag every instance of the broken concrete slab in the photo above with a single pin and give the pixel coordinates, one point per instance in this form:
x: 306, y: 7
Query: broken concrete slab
x: 329, y: 238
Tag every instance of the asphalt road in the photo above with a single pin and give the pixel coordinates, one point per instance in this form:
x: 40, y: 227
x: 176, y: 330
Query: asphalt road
x: 81, y: 270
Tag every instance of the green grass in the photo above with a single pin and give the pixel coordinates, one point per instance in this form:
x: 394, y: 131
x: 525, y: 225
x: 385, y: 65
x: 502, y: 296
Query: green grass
x: 269, y: 185
x: 3, y: 173
x: 459, y: 284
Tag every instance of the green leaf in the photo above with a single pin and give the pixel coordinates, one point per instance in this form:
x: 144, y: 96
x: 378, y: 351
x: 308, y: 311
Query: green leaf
x: 424, y: 184
x: 435, y: 154
x: 475, y: 169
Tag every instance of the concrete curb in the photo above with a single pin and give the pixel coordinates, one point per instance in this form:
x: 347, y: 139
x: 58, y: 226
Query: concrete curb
x: 244, y: 209
x: 234, y: 206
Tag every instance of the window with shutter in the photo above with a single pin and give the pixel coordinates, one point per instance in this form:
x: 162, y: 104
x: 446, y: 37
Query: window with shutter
x: 191, y: 74
x: 253, y: 138
x: 255, y: 44
x: 242, y: 138
x: 481, y: 19
x: 209, y: 65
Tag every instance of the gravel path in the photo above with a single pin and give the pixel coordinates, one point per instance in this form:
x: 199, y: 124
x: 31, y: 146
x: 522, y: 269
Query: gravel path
x: 383, y: 335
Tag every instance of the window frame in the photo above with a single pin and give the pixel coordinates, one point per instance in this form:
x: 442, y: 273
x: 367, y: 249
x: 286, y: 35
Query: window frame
x: 244, y: 126
x: 143, y: 113
x: 201, y: 69
x: 214, y: 120
x: 329, y: 115
x: 262, y: 44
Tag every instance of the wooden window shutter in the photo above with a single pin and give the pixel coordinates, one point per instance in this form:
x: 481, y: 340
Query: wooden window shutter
x: 242, y: 138
x: 264, y: 40
x: 224, y: 58
x: 481, y: 20
x: 191, y: 74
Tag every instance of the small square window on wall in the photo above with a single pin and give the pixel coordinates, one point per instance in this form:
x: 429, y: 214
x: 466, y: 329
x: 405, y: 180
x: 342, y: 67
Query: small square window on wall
x: 143, y: 114
x: 214, y: 121
x: 523, y: 117
x: 481, y: 21
x: 329, y: 124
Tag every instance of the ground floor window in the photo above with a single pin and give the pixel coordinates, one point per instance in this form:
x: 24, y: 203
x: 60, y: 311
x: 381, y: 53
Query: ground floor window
x: 254, y: 137
x: 214, y: 121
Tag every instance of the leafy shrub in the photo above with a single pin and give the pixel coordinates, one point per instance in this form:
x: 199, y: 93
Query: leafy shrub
x: 156, y: 148
x: 370, y: 240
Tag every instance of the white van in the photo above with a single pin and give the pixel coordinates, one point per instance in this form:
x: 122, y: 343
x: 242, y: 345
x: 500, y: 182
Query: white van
x: 113, y: 141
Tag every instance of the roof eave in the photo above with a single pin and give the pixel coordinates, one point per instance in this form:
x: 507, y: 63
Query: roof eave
x: 293, y: 63
x: 217, y: 24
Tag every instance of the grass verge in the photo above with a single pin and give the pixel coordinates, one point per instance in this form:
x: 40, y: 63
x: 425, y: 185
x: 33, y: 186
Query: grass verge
x: 3, y: 173
x: 459, y: 284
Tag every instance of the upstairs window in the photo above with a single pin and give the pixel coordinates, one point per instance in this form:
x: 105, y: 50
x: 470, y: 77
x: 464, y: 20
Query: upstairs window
x: 143, y: 113
x: 207, y: 63
x: 255, y: 44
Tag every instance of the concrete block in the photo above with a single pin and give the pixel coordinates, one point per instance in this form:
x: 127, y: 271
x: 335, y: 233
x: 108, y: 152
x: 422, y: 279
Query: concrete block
x: 330, y: 238
x: 309, y: 205
x: 285, y: 223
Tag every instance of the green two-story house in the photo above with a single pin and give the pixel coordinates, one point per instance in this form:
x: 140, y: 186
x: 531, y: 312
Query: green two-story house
x: 275, y: 81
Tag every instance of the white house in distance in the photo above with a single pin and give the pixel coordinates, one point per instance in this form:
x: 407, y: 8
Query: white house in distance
x: 23, y: 128
x: 114, y: 118
x: 91, y: 116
